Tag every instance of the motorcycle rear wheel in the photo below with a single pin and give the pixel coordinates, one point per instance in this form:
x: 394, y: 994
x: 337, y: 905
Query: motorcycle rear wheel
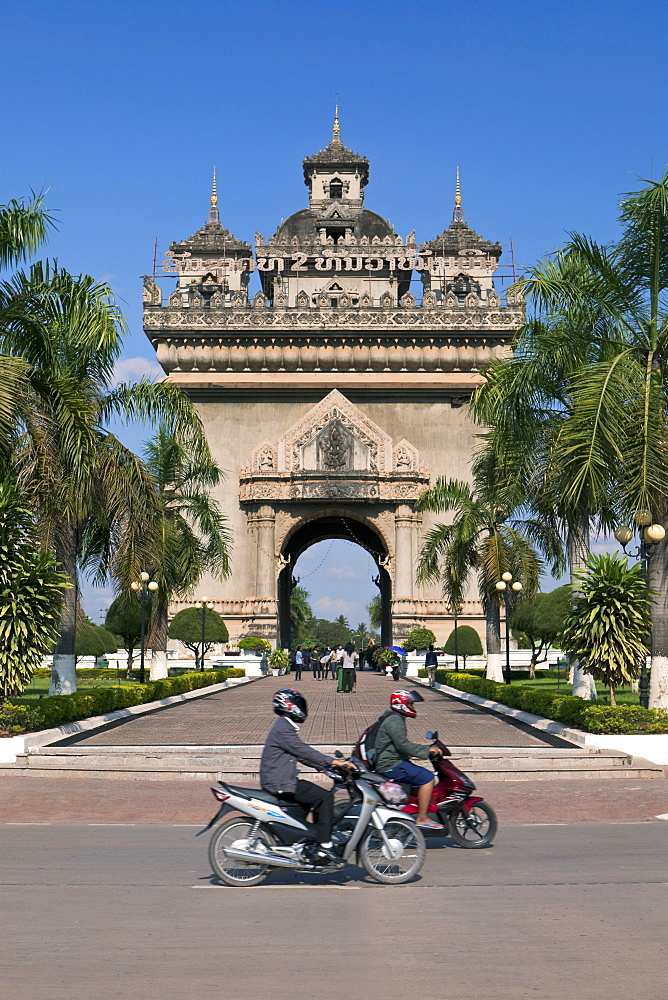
x: 408, y: 839
x: 232, y: 872
x: 475, y: 828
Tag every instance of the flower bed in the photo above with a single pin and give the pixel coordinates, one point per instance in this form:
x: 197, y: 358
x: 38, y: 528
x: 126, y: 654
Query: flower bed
x: 565, y: 708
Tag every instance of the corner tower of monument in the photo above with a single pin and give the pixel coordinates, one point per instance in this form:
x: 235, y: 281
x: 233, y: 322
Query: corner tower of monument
x: 336, y: 393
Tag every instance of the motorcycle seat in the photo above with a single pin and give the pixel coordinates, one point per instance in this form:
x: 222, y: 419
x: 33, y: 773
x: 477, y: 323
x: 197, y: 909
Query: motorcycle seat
x: 255, y: 793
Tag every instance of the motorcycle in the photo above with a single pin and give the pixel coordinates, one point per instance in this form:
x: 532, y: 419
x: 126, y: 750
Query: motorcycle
x: 272, y: 833
x: 470, y: 821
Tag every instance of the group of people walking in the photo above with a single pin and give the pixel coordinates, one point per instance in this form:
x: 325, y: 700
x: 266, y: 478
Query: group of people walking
x: 337, y: 664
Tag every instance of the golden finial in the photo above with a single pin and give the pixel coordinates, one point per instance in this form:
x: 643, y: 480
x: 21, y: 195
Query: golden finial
x: 213, y: 211
x: 458, y: 214
x: 336, y: 135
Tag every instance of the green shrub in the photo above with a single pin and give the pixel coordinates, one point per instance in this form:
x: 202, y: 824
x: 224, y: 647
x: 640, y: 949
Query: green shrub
x: 60, y: 709
x: 419, y: 638
x: 254, y: 643
x: 15, y: 719
x: 626, y: 719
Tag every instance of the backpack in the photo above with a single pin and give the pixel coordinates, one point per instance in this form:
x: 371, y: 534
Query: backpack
x: 365, y: 748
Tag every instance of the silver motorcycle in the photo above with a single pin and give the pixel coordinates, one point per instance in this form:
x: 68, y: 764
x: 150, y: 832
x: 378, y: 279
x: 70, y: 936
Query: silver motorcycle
x: 273, y: 833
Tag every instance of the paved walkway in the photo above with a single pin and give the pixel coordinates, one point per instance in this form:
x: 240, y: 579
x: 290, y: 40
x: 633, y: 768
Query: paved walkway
x: 242, y: 716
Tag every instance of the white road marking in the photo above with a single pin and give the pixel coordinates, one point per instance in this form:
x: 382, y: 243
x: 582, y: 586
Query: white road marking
x: 111, y: 824
x: 36, y: 823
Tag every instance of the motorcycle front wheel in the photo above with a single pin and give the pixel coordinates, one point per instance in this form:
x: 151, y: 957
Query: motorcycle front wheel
x: 401, y: 861
x: 237, y: 832
x: 475, y: 828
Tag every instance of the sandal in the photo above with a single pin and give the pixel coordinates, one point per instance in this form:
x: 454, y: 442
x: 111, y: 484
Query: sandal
x: 429, y: 825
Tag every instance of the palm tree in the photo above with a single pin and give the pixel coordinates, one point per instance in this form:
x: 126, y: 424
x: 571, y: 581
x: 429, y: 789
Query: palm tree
x: 300, y: 612
x: 23, y: 228
x: 375, y: 609
x: 527, y: 399
x: 484, y: 536
x: 67, y: 331
x: 614, y: 441
x: 184, y: 536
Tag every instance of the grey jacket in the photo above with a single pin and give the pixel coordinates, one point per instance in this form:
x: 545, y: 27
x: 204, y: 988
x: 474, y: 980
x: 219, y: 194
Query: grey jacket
x: 278, y: 766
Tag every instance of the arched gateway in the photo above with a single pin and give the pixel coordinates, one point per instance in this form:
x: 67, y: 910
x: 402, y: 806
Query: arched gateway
x: 332, y: 398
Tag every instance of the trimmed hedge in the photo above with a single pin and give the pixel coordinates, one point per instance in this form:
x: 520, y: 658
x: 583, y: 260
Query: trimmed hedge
x: 572, y: 711
x: 59, y: 709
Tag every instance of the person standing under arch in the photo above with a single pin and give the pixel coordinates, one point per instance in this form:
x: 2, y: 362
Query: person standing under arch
x: 349, y: 661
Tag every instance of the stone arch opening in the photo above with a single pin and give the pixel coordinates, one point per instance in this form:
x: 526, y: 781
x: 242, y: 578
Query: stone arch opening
x: 322, y: 528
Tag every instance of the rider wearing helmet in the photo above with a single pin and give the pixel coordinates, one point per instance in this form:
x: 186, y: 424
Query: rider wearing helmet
x: 278, y: 767
x: 394, y: 751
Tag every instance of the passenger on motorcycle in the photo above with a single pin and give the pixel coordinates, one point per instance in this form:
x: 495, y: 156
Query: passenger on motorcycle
x: 278, y: 767
x: 394, y: 751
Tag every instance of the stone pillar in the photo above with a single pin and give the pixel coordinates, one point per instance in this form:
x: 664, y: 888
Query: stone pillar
x: 405, y: 521
x: 265, y: 564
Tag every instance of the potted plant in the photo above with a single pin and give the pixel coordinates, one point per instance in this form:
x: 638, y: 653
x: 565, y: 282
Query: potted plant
x: 419, y: 639
x: 254, y: 644
x: 278, y: 662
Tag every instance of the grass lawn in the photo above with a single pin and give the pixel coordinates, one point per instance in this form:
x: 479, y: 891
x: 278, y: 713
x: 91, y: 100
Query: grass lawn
x: 554, y: 685
x: 39, y: 686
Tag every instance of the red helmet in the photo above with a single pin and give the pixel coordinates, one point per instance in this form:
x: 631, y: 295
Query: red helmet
x: 402, y: 702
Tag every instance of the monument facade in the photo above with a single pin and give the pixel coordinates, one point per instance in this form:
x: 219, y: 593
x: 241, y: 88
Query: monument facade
x: 335, y: 394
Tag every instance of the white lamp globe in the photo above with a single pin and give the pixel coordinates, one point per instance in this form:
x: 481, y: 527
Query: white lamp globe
x: 643, y: 518
x: 517, y: 585
x: 153, y: 585
x: 134, y: 585
x: 501, y: 585
x: 655, y: 533
x: 506, y: 576
x: 624, y: 534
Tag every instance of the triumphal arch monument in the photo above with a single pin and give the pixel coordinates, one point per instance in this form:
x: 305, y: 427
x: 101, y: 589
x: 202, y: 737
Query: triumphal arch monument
x: 334, y: 395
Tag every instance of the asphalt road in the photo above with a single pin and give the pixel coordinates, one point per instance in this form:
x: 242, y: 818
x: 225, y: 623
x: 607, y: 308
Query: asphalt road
x: 554, y: 912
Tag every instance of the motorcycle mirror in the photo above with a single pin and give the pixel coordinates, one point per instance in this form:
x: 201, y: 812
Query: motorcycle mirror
x: 338, y: 754
x: 429, y: 735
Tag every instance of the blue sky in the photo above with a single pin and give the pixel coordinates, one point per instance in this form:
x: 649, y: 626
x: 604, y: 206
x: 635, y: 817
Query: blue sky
x: 551, y: 110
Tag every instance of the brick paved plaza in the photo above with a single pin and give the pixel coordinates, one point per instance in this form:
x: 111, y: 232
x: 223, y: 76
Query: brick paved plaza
x: 242, y: 716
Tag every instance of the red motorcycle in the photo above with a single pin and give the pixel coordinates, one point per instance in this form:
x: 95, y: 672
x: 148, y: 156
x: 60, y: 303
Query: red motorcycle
x: 469, y: 820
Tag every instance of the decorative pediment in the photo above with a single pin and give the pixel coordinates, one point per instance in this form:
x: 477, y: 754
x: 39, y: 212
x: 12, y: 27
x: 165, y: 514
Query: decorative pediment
x: 335, y: 436
x: 334, y: 452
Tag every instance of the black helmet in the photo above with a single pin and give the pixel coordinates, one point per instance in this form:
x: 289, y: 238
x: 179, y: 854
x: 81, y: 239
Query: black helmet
x: 289, y: 702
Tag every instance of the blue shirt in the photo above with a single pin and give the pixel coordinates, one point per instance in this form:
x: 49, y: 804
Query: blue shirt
x: 299, y: 658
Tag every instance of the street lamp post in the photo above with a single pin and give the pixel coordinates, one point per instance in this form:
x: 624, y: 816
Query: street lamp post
x: 142, y: 587
x: 203, y: 603
x: 503, y: 587
x: 649, y: 535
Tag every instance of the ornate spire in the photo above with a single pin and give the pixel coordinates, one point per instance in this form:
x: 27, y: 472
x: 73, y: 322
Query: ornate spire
x: 213, y: 211
x: 336, y: 132
x: 458, y: 214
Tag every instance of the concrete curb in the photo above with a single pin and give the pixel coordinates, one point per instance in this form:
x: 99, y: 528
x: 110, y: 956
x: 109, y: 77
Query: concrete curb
x: 21, y: 744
